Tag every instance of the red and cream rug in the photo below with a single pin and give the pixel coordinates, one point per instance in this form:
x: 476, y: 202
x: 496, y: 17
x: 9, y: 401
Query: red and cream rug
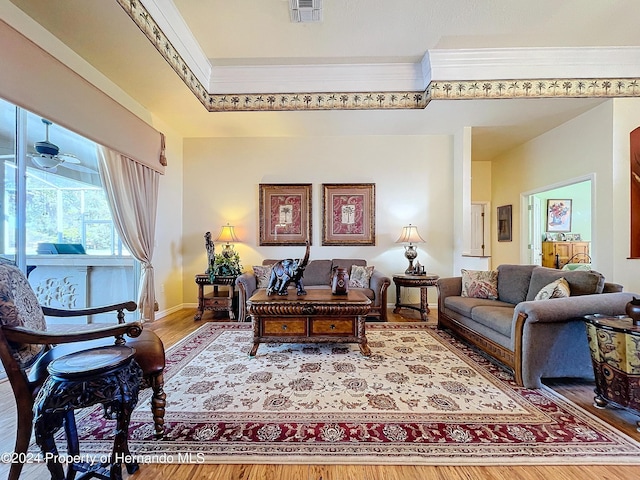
x: 421, y: 398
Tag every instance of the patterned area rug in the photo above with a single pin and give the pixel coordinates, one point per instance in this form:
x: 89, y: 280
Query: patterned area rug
x: 421, y: 398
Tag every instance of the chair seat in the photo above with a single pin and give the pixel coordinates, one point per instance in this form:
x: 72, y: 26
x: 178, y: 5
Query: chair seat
x: 149, y: 354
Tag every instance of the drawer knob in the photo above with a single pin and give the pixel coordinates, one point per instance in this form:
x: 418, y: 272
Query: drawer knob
x: 284, y: 327
x: 332, y: 327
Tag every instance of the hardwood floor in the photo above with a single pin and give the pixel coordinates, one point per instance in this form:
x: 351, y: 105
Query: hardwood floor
x: 175, y: 326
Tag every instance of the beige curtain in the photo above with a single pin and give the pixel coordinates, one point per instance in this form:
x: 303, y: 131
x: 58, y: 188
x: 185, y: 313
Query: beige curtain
x: 132, y: 193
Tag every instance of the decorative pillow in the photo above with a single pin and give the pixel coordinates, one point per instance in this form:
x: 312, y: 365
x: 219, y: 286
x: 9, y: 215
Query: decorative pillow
x: 480, y: 284
x: 263, y: 274
x: 359, y: 277
x: 556, y: 289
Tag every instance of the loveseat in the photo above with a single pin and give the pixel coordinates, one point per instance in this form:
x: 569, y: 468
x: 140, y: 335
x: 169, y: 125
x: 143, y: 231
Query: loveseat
x: 317, y: 274
x: 538, y: 339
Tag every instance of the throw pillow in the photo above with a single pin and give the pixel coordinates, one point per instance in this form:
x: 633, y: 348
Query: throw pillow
x: 556, y: 289
x: 359, y: 277
x: 480, y: 284
x: 263, y: 274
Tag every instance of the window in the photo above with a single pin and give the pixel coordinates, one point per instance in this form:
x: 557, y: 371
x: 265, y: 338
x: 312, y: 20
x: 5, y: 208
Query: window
x: 64, y: 200
x: 56, y: 222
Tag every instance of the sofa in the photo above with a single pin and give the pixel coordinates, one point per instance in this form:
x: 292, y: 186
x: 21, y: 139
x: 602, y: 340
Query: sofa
x: 317, y: 274
x: 537, y: 339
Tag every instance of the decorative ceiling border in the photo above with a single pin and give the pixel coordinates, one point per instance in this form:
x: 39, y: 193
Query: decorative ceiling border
x: 436, y: 90
x: 535, y: 88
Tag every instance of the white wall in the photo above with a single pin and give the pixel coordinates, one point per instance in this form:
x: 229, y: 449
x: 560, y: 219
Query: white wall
x: 414, y: 184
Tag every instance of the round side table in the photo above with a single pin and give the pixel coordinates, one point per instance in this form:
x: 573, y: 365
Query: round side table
x: 102, y: 375
x: 415, y: 281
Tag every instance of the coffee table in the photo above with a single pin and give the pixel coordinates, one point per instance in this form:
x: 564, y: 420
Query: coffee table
x: 317, y: 317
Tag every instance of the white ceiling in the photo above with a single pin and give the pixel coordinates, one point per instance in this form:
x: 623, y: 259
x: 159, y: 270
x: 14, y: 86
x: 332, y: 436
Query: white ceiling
x: 258, y: 32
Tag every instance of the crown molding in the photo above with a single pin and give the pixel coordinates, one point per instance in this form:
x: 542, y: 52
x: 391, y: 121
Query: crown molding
x: 173, y: 29
x: 530, y: 63
x: 316, y: 78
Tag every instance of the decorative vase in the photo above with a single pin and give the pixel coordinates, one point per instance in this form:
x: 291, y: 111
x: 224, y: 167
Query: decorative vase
x: 633, y: 310
x: 340, y: 282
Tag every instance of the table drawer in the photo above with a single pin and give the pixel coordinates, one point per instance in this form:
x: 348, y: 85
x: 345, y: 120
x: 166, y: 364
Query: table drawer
x: 211, y: 301
x: 284, y: 326
x: 333, y: 326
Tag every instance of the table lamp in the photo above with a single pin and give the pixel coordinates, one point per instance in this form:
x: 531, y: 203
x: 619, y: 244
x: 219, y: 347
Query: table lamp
x: 228, y: 235
x: 410, y: 235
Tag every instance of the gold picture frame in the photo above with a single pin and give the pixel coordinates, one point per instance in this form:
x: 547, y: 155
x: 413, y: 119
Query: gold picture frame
x: 285, y: 213
x: 348, y: 213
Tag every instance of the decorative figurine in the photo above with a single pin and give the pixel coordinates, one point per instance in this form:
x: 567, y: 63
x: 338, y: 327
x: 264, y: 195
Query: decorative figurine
x: 287, y: 271
x: 211, y: 252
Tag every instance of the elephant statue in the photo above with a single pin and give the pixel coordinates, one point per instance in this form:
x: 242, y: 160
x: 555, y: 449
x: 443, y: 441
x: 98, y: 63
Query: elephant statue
x: 286, y: 271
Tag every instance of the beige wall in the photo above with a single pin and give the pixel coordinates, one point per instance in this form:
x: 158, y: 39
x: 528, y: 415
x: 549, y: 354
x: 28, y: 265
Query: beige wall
x: 167, y: 255
x: 581, y: 147
x: 480, y: 181
x: 414, y: 184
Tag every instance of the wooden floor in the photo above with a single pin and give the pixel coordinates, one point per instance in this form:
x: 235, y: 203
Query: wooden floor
x: 175, y: 326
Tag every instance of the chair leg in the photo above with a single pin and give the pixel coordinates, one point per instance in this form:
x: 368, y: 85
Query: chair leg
x: 23, y: 436
x: 158, y: 403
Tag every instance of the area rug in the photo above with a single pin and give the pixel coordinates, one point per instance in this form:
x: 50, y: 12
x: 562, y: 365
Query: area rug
x: 421, y: 398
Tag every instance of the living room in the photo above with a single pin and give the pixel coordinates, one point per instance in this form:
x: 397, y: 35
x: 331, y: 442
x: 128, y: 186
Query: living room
x: 423, y: 162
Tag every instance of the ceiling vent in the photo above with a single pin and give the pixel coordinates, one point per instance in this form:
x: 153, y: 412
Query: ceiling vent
x: 304, y: 11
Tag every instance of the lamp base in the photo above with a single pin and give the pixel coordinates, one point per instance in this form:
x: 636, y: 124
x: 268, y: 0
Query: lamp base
x: 410, y: 253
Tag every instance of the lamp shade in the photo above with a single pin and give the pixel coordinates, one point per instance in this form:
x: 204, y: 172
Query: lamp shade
x: 227, y: 234
x: 410, y: 235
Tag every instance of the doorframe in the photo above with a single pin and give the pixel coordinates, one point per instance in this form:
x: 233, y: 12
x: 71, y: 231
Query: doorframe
x: 525, y: 213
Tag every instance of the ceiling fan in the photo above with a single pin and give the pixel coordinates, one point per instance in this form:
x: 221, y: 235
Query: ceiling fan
x: 49, y: 158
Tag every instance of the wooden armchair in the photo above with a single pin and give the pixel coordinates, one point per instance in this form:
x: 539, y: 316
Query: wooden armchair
x: 26, y: 348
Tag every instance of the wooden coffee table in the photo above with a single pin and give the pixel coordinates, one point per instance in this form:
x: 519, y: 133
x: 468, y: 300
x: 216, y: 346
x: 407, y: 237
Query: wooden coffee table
x: 317, y: 317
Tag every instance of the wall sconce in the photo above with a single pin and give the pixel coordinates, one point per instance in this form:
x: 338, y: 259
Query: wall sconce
x: 228, y: 235
x: 410, y: 235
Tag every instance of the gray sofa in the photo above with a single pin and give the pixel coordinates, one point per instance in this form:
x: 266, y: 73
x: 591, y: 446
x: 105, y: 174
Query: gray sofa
x: 318, y: 275
x: 537, y: 339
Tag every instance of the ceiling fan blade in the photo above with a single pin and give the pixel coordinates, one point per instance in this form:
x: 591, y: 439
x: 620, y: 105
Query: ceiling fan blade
x: 68, y: 158
x: 78, y: 168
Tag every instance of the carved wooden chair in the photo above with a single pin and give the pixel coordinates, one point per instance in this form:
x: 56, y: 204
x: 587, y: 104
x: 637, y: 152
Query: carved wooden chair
x: 26, y: 348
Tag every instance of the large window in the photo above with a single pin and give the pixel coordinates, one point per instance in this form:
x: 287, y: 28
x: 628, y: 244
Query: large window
x: 64, y: 202
x: 56, y: 223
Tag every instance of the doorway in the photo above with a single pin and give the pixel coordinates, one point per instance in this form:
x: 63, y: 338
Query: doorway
x: 579, y: 224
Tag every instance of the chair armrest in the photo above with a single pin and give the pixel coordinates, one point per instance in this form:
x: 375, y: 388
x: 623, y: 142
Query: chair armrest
x: 26, y: 335
x: 58, y: 312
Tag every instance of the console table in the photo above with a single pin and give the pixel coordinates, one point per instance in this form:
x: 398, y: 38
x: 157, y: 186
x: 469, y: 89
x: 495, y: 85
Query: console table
x: 415, y: 281
x: 615, y: 346
x: 216, y: 301
x: 317, y: 317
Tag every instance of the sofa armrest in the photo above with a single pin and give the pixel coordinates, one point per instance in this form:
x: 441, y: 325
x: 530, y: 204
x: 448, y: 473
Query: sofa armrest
x: 563, y: 309
x: 448, y: 287
x: 379, y: 283
x: 246, y: 285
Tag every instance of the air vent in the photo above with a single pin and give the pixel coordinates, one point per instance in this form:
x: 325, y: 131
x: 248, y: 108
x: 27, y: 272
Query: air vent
x: 303, y: 11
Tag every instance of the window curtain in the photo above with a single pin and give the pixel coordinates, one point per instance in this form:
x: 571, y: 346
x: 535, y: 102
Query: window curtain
x: 132, y: 193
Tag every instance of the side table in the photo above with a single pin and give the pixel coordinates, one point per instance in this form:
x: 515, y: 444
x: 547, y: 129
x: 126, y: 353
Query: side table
x: 101, y: 375
x: 415, y: 281
x: 614, y: 343
x: 216, y: 301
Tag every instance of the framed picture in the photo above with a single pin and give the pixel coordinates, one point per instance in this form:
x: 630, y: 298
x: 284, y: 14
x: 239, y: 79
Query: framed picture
x: 504, y: 223
x: 558, y: 215
x: 285, y: 214
x: 348, y: 213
